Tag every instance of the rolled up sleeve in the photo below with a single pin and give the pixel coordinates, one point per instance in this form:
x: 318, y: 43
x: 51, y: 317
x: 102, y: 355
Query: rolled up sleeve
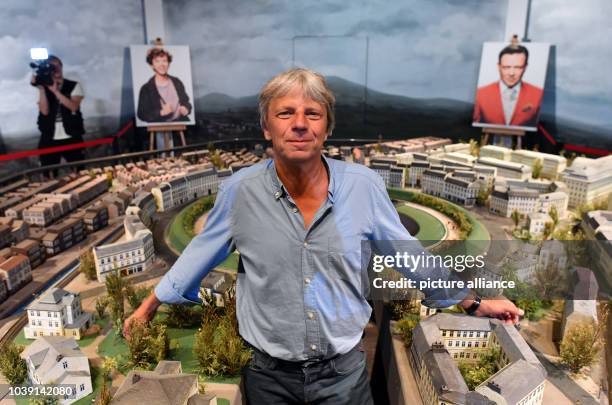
x: 206, y: 250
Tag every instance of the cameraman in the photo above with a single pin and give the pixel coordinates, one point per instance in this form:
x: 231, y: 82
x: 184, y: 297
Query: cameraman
x: 59, y: 117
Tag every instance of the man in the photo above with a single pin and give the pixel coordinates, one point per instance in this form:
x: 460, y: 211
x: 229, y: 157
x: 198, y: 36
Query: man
x: 509, y: 101
x: 298, y: 221
x: 59, y: 115
x: 163, y: 97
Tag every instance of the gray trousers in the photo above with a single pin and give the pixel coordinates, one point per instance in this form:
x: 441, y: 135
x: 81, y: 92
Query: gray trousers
x: 342, y: 380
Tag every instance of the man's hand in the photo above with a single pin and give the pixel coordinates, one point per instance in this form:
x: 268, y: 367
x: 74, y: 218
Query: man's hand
x: 166, y: 109
x: 183, y: 111
x: 144, y: 313
x: 500, y: 308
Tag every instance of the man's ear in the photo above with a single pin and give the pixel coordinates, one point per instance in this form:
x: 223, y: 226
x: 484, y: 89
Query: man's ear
x: 267, y: 135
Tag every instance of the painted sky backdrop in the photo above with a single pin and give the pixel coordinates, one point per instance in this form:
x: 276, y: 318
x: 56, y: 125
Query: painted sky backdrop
x: 417, y: 48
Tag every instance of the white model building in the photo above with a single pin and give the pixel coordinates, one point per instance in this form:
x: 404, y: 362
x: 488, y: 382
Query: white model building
x: 495, y: 152
x: 589, y: 181
x: 536, y: 221
x: 57, y: 313
x: 507, y: 169
x: 397, y: 177
x: 443, y: 340
x: 504, y: 201
x: 416, y: 170
x: 462, y: 190
x: 552, y: 165
x: 58, y: 360
x: 133, y: 255
x: 464, y: 159
x: 383, y: 170
x: 432, y: 182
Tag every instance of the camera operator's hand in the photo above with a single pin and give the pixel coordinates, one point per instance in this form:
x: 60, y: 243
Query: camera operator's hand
x: 183, y: 111
x: 33, y: 82
x: 54, y: 88
x: 166, y: 109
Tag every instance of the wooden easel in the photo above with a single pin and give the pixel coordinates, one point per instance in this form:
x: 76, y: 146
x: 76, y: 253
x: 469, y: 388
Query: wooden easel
x: 168, y: 131
x: 519, y: 133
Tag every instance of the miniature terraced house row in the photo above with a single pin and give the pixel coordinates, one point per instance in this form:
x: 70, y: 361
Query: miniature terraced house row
x: 58, y: 360
x: 15, y: 272
x: 57, y: 313
x: 442, y: 341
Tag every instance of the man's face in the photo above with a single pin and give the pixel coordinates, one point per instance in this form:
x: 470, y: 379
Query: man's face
x: 160, y: 65
x: 511, y: 68
x: 57, y: 73
x: 297, y: 127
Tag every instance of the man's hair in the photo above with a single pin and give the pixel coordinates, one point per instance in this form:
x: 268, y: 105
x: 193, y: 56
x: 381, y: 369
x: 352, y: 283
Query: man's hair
x: 55, y: 58
x: 512, y: 49
x: 155, y: 52
x: 312, y: 84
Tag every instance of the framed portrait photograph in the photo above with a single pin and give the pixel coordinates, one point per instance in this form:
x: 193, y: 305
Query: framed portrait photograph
x: 510, y: 85
x: 162, y: 85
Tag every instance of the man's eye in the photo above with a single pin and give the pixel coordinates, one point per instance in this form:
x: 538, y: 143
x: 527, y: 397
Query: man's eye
x: 284, y: 114
x: 314, y: 115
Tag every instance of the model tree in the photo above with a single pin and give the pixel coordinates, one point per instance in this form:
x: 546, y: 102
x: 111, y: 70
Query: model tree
x: 516, y: 217
x: 101, y: 304
x: 88, y: 266
x: 116, y: 287
x: 580, y: 346
x: 148, y: 343
x: 218, y: 347
x: 12, y: 366
x: 537, y: 169
x: 135, y: 296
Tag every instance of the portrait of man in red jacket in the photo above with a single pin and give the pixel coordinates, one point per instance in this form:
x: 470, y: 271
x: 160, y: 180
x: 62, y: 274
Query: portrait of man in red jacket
x: 509, y: 101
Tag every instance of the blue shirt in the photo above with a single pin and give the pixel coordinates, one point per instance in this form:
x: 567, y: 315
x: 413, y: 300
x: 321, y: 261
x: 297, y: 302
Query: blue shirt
x: 301, y: 293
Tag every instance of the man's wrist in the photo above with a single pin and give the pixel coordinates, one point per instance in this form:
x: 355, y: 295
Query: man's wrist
x: 151, y: 305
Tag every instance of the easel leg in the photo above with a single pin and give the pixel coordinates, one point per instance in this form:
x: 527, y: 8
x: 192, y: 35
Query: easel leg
x: 183, y: 138
x: 151, y: 140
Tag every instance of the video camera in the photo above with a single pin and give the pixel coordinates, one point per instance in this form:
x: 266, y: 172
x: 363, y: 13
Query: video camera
x: 44, y: 73
x: 44, y: 70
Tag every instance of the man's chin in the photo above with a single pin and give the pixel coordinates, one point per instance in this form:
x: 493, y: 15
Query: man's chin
x: 300, y: 156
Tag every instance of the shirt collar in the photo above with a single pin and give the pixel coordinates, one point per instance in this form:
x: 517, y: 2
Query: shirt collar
x: 503, y: 86
x: 279, y: 190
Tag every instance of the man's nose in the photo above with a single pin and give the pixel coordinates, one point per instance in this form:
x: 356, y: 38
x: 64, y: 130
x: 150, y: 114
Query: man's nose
x: 300, y: 122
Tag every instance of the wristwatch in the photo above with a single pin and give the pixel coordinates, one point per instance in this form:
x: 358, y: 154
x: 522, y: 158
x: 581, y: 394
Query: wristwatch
x: 474, y: 307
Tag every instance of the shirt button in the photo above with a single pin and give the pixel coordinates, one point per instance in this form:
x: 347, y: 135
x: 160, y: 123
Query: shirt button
x: 313, y: 347
x: 305, y: 244
x: 310, y: 315
x: 277, y: 194
x: 294, y: 209
x: 307, y: 280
